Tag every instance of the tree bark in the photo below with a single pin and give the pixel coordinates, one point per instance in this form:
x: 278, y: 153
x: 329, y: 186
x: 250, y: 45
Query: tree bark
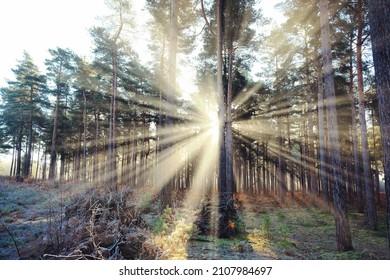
x: 84, y: 137
x: 226, y: 205
x: 111, y: 171
x: 356, y: 160
x: 371, y: 214
x: 13, y: 161
x: 376, y: 175
x: 281, y: 163
x: 379, y: 16
x: 44, y: 164
x: 27, y: 162
x: 229, y: 137
x: 321, y: 137
x: 53, y: 150
x: 290, y: 146
x: 19, y: 155
x: 96, y: 155
x: 313, y: 182
x: 166, y: 193
x: 62, y: 165
x: 343, y: 234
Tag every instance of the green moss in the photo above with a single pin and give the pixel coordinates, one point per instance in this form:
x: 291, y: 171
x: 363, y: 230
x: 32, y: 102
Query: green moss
x: 285, y: 244
x: 280, y: 216
x: 284, y: 229
x: 351, y: 255
x: 265, y: 224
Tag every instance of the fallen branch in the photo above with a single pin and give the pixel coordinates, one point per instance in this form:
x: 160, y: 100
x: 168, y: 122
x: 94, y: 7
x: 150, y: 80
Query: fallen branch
x: 72, y: 256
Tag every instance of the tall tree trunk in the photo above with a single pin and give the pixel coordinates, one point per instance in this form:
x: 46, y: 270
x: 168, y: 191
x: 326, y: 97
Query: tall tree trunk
x: 310, y: 105
x: 371, y: 214
x: 225, y: 194
x: 96, y: 155
x: 27, y: 161
x: 19, y: 155
x: 62, y: 165
x: 281, y: 164
x: 258, y: 168
x: 290, y: 147
x: 306, y: 154
x: 221, y: 99
x: 85, y: 137
x: 166, y: 193
x: 44, y: 164
x: 356, y: 160
x: 343, y: 234
x: 376, y: 175
x: 265, y: 169
x: 379, y: 16
x: 321, y: 137
x: 305, y: 176
x: 53, y: 150
x: 133, y: 173
x: 302, y: 169
x: 38, y: 162
x: 160, y: 114
x: 111, y: 152
x: 77, y: 159
x: 229, y: 137
x: 13, y: 161
x: 142, y: 152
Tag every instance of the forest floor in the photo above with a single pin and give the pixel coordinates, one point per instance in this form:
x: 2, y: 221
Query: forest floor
x: 40, y: 220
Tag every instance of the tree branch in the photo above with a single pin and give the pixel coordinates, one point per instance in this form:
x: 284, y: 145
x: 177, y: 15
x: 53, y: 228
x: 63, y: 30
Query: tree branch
x: 205, y: 17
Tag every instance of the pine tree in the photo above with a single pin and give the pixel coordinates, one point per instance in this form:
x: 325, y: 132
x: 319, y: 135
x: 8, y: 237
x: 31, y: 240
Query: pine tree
x: 371, y: 214
x: 343, y: 234
x: 24, y: 102
x: 379, y: 17
x: 59, y: 72
x: 109, y: 48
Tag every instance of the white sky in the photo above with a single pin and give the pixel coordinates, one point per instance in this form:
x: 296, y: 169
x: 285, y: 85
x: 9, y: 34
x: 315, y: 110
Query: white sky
x: 37, y: 25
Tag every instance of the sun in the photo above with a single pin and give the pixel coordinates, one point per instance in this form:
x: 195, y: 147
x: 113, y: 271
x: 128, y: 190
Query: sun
x: 213, y: 126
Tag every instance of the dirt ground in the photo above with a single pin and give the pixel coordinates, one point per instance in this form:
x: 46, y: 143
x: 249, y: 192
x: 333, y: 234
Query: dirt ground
x: 24, y: 210
x: 31, y: 212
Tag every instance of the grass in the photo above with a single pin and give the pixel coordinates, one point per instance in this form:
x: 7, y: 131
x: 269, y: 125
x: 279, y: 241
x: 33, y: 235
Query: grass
x: 306, y: 232
x: 7, y: 209
x: 171, y: 232
x: 297, y: 232
x: 268, y: 229
x: 22, y: 210
x: 352, y: 255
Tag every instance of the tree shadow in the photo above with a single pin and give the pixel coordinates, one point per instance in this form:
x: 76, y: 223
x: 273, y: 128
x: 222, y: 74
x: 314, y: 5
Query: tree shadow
x: 207, y: 245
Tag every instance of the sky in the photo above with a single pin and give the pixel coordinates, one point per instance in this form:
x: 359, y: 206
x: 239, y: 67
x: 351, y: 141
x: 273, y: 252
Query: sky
x: 36, y: 26
x: 39, y: 25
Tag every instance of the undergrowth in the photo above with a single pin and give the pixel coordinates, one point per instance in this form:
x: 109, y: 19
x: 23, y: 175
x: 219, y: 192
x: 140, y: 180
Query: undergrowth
x: 68, y: 221
x: 171, y: 233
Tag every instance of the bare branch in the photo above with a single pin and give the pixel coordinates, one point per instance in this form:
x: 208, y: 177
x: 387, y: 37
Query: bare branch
x: 205, y: 17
